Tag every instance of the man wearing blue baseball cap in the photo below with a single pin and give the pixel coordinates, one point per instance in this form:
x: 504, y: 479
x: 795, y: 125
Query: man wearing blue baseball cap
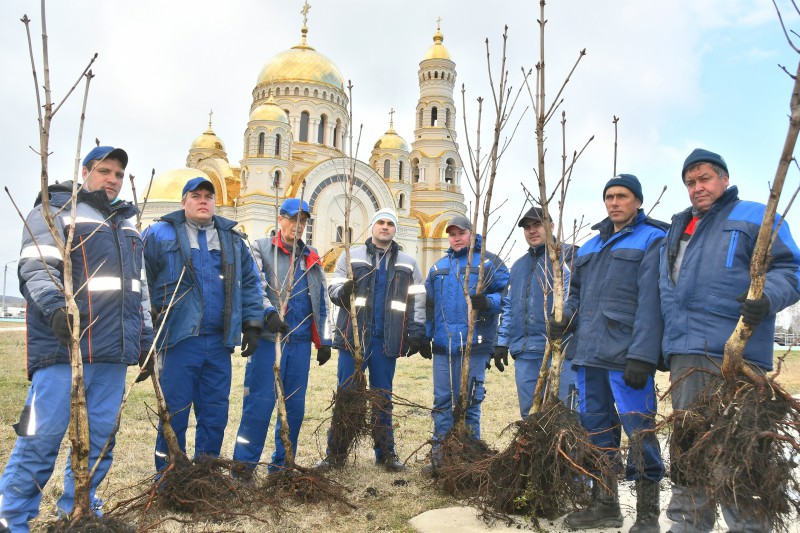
x: 217, y: 304
x: 115, y: 329
x: 301, y: 322
x: 613, y: 299
x: 704, y: 278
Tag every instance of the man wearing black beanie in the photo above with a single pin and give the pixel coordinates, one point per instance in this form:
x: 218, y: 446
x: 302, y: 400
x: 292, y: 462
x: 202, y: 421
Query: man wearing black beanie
x: 614, y: 301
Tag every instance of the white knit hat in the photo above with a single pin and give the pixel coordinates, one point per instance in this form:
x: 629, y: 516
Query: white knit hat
x: 387, y: 213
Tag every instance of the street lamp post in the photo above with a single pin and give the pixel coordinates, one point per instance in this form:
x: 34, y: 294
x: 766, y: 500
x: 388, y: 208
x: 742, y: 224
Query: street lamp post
x: 5, y: 273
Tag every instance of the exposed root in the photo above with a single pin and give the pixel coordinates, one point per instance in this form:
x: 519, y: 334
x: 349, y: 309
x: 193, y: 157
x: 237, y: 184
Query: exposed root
x: 739, y: 442
x: 92, y: 524
x: 542, y: 473
x: 303, y: 485
x: 463, y: 466
x: 349, y: 422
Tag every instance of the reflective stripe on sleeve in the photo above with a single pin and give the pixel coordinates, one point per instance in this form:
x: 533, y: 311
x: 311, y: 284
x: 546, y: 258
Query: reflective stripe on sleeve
x: 398, y: 306
x: 136, y: 285
x: 67, y: 220
x: 361, y: 301
x: 242, y: 440
x: 46, y: 251
x: 416, y: 289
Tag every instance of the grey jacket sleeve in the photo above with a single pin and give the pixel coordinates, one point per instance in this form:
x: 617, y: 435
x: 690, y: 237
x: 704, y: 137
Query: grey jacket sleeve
x: 269, y: 306
x: 417, y: 290
x: 40, y: 263
x: 338, y: 279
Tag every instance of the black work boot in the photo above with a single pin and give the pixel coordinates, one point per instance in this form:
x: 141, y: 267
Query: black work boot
x: 390, y: 462
x: 648, y: 506
x: 602, y: 512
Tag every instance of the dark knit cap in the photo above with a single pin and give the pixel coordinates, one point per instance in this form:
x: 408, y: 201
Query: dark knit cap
x: 629, y: 181
x: 700, y: 155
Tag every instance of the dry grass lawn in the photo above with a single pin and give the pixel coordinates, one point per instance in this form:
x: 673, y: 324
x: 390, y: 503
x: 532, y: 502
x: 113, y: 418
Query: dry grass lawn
x: 386, y: 508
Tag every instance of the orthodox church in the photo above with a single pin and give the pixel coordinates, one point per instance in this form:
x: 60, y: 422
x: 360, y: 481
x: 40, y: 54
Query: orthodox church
x: 294, y: 146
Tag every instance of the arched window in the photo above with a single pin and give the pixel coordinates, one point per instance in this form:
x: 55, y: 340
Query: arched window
x: 336, y: 133
x: 419, y: 119
x: 261, y: 141
x: 447, y: 118
x: 305, y: 92
x: 386, y: 169
x: 278, y: 91
x: 276, y: 179
x: 277, y: 144
x: 297, y: 91
x: 339, y: 233
x: 414, y: 170
x: 434, y: 116
x: 401, y: 200
x: 323, y: 122
x: 324, y: 95
x: 436, y: 75
x: 400, y: 170
x: 304, y: 127
x: 316, y: 93
x: 449, y: 173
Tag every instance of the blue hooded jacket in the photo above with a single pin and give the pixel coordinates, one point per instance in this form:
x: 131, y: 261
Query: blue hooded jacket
x: 700, y: 308
x: 167, y: 251
x: 614, y: 291
x: 523, y: 324
x: 446, y: 312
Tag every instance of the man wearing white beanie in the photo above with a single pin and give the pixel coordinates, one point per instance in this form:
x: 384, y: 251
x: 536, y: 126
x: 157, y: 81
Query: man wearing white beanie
x: 390, y: 305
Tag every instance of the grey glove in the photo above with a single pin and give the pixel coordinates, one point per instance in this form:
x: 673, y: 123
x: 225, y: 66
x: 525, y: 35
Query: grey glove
x: 637, y: 372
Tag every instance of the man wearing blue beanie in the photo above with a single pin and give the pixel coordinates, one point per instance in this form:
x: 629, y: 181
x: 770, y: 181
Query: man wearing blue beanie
x: 613, y: 300
x: 705, y: 265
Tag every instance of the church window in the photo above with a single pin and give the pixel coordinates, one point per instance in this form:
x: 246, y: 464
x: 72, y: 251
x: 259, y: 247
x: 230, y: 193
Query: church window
x: 261, y: 141
x: 436, y: 75
x: 297, y: 91
x: 276, y: 179
x: 401, y: 200
x: 323, y: 122
x: 442, y: 75
x: 286, y: 91
x: 447, y: 118
x: 386, y: 166
x: 305, y: 92
x: 287, y: 112
x: 336, y: 133
x: 434, y: 116
x: 324, y: 95
x: 449, y: 173
x: 415, y: 170
x: 304, y: 127
x: 316, y: 93
x: 350, y: 235
x: 400, y: 170
x: 278, y: 144
x: 419, y: 119
x: 339, y: 233
x: 278, y: 91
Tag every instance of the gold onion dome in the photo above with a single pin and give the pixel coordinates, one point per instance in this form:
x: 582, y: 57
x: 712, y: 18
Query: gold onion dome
x: 438, y: 50
x: 208, y: 140
x: 269, y: 111
x: 301, y: 63
x: 167, y: 186
x: 391, y: 141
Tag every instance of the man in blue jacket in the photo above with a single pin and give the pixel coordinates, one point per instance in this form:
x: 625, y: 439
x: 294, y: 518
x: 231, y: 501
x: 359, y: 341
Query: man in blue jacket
x: 704, y: 279
x: 614, y: 302
x: 303, y: 323
x: 218, y: 300
x: 390, y: 309
x: 115, y: 331
x: 523, y: 324
x: 447, y: 323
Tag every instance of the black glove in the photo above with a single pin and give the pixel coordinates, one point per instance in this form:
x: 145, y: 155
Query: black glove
x: 419, y: 345
x: 60, y: 323
x: 501, y: 357
x: 557, y: 328
x: 425, y: 349
x: 347, y: 290
x: 275, y: 323
x: 637, y: 372
x: 479, y: 302
x: 250, y: 341
x: 753, y: 311
x: 145, y: 367
x: 323, y: 354
x: 489, y: 364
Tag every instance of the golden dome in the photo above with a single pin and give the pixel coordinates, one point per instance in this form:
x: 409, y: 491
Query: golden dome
x: 167, y: 186
x: 437, y: 51
x: 391, y: 141
x: 269, y: 111
x: 208, y: 140
x: 301, y: 63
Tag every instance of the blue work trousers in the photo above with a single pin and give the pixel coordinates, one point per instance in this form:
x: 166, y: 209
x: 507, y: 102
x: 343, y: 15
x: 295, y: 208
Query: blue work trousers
x: 607, y: 404
x: 446, y: 388
x: 42, y: 428
x: 526, y: 372
x: 380, y: 371
x: 196, y: 372
x: 259, y: 400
